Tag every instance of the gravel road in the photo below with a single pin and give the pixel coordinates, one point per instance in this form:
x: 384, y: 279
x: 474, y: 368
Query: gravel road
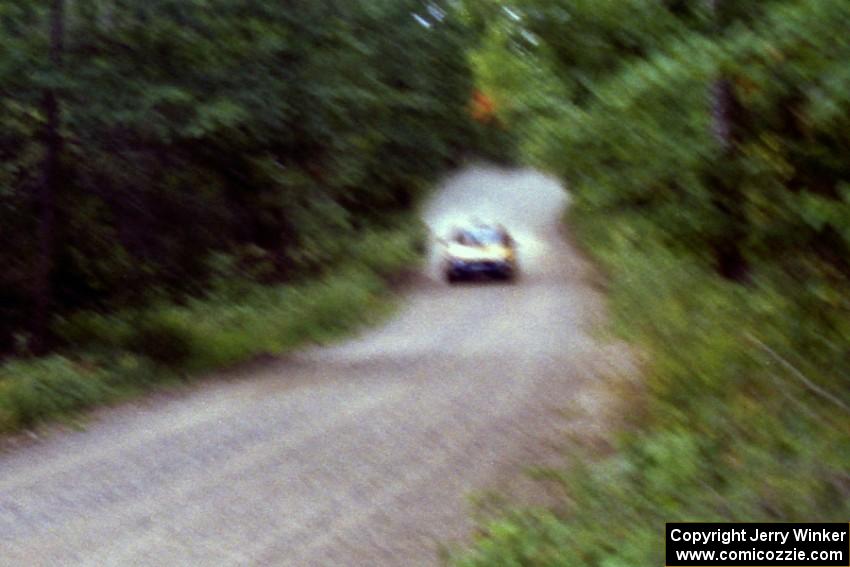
x: 363, y: 453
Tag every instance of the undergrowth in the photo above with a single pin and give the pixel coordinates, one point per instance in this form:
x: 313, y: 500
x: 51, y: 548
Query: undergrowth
x: 112, y: 356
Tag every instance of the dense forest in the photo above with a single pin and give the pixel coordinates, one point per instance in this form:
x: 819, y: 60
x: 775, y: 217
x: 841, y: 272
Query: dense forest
x: 146, y: 145
x: 706, y: 144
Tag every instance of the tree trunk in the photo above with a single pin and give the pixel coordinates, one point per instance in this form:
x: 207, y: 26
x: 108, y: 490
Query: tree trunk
x: 51, y: 178
x: 726, y: 125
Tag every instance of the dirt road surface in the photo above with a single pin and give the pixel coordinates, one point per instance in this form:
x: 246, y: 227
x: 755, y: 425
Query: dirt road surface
x: 359, y: 454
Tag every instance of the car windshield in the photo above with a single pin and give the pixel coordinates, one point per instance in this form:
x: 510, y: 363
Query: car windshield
x: 483, y: 236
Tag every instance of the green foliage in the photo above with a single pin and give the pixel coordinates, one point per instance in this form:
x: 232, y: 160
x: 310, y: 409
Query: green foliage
x: 163, y: 336
x: 31, y: 392
x: 197, y: 130
x: 115, y: 355
x: 642, y: 136
x: 90, y: 328
x: 520, y: 86
x: 746, y: 407
x: 729, y: 431
x: 387, y: 254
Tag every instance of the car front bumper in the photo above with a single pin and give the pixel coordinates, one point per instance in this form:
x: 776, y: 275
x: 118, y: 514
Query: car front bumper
x: 491, y: 268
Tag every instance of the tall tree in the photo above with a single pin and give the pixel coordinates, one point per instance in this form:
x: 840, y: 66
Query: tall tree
x: 51, y: 179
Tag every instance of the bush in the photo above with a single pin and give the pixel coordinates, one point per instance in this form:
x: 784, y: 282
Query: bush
x: 335, y: 304
x: 729, y: 433
x: 88, y: 328
x: 34, y: 391
x: 387, y: 254
x: 164, y: 336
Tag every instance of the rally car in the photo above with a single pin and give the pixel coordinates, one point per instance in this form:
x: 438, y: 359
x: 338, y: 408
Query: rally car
x: 479, y: 250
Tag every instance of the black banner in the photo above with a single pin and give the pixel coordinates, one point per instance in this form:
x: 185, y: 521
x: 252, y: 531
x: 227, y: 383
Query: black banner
x: 758, y: 545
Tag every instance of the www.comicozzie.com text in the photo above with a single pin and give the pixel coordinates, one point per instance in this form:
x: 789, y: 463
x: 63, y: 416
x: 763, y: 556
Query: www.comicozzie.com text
x: 743, y: 534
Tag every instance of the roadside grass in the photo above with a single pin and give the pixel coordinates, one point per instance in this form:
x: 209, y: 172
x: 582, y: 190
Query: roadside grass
x: 743, y: 417
x: 115, y: 356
